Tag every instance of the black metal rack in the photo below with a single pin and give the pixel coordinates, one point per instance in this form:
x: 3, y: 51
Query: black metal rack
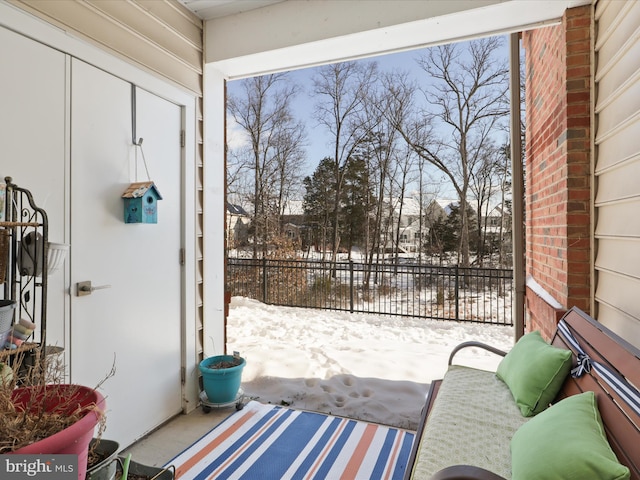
x: 25, y: 262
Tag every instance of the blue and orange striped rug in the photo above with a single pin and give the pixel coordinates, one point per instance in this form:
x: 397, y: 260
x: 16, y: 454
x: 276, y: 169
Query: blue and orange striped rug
x: 270, y: 442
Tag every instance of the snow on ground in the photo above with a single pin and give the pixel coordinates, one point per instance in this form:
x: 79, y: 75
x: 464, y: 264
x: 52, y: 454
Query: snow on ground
x: 364, y: 366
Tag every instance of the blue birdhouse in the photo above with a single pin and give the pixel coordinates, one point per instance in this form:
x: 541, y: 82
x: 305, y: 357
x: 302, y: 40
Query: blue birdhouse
x: 141, y: 203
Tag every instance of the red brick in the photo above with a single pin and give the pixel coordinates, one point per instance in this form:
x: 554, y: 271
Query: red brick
x: 582, y: 109
x: 579, y: 21
x: 558, y: 163
x: 578, y: 97
x: 579, y: 71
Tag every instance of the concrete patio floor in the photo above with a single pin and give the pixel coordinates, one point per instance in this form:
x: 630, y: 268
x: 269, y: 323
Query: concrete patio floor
x: 170, y: 439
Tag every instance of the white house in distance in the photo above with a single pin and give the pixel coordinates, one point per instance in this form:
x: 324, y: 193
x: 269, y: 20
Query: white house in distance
x: 237, y: 225
x: 293, y: 221
x: 83, y: 82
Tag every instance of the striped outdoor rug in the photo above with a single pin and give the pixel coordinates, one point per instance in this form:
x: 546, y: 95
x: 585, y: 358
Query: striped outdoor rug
x: 269, y: 442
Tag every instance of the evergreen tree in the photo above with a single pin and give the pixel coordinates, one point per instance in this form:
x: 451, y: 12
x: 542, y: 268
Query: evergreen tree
x: 318, y: 202
x: 454, y: 224
x: 357, y: 203
x: 342, y: 91
x: 445, y: 233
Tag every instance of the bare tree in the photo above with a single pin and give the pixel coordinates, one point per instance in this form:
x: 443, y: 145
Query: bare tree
x: 383, y: 150
x: 274, y: 152
x: 289, y: 159
x: 377, y: 151
x: 405, y: 165
x: 342, y: 90
x: 239, y: 174
x: 369, y: 135
x: 466, y: 96
x: 486, y: 182
x: 394, y: 159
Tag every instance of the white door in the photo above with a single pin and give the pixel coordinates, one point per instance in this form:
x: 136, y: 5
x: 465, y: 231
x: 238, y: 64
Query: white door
x: 133, y: 322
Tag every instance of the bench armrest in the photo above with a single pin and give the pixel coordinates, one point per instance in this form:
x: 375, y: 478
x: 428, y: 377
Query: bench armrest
x: 475, y: 344
x: 465, y: 472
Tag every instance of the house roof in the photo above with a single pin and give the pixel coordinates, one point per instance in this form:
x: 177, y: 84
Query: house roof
x: 139, y: 189
x: 495, y: 212
x: 236, y: 209
x: 293, y: 207
x: 411, y: 205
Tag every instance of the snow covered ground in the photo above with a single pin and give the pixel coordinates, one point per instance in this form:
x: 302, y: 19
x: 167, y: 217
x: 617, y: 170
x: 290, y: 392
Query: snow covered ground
x: 362, y: 366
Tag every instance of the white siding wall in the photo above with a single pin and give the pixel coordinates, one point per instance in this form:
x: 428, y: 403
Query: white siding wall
x: 617, y: 167
x: 160, y: 35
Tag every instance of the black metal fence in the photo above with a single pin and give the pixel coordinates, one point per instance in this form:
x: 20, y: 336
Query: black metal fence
x: 481, y: 295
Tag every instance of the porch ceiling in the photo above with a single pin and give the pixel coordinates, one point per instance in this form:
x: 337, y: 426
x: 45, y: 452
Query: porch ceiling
x: 208, y: 9
x: 270, y: 35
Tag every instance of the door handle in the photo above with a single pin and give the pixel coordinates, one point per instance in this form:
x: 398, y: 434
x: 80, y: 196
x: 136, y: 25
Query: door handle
x: 85, y: 288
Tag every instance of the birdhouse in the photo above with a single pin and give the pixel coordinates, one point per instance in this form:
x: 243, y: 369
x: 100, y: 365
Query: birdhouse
x: 141, y: 203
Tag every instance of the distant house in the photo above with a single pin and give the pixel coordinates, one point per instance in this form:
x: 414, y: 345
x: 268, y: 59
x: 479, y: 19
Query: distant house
x: 497, y: 220
x: 293, y: 212
x: 237, y: 226
x: 494, y: 222
x: 408, y: 214
x: 293, y: 221
x: 408, y: 218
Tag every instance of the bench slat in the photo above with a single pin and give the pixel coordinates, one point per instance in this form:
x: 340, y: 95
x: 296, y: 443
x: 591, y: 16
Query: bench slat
x: 628, y: 448
x: 621, y: 422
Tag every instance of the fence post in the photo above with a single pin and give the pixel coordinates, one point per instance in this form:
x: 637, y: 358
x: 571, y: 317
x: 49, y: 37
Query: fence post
x: 264, y: 280
x: 457, y: 291
x: 351, y: 286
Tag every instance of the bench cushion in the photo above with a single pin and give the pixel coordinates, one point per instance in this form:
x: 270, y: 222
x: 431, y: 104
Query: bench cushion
x: 566, y: 441
x: 471, y: 422
x: 534, y: 372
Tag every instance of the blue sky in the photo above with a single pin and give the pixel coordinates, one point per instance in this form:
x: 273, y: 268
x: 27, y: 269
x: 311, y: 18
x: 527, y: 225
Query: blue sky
x: 304, y: 104
x: 318, y: 138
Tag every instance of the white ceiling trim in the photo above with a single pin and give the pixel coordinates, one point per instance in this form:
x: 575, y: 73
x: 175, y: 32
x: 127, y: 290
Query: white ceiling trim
x: 505, y: 17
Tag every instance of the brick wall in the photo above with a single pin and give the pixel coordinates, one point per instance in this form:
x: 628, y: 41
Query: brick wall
x: 558, y: 73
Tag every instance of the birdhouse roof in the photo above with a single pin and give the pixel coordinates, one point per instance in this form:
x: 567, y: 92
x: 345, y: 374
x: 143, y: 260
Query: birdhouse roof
x: 139, y: 189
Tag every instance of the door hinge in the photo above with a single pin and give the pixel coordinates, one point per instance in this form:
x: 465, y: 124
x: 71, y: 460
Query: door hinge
x: 182, y: 140
x: 183, y: 375
x: 181, y: 256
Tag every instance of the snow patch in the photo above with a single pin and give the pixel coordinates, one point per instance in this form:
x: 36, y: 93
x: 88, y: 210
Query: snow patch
x: 369, y: 367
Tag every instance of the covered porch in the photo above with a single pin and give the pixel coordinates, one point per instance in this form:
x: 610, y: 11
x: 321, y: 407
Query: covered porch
x: 178, y: 59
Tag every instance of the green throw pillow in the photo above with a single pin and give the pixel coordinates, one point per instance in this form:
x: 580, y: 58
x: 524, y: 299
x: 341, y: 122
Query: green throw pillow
x: 534, y: 372
x: 567, y: 441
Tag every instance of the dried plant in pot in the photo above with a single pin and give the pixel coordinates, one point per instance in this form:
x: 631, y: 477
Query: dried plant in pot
x: 103, y: 457
x: 138, y: 471
x: 39, y: 414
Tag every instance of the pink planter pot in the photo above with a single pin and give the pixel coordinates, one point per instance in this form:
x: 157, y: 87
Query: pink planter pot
x: 64, y: 399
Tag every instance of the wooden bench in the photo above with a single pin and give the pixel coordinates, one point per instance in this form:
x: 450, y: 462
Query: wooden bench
x: 611, y: 356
